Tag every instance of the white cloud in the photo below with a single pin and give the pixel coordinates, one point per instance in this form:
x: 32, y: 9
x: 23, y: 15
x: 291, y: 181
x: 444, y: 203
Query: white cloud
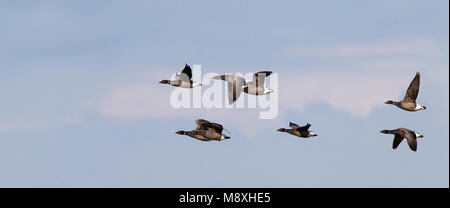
x: 400, y: 47
x: 355, y: 94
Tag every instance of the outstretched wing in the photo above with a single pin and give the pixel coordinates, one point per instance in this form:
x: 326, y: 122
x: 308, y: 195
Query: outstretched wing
x: 234, y: 90
x: 187, y: 71
x: 206, y: 125
x: 201, y: 124
x: 412, y: 140
x: 397, y: 141
x: 304, y: 128
x: 300, y: 128
x: 413, y: 89
x: 260, y: 77
x: 293, y: 125
x: 217, y: 127
x: 235, y: 84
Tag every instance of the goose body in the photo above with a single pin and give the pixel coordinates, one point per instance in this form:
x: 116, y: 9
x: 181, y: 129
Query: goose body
x: 300, y: 131
x: 206, y: 131
x: 403, y: 133
x: 183, y: 80
x: 409, y: 101
x: 256, y: 87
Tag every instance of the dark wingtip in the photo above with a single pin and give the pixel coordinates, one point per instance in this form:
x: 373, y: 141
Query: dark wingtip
x: 389, y: 102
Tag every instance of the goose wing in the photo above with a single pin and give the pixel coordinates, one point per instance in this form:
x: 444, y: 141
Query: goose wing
x: 201, y: 124
x: 235, y: 88
x: 187, y: 71
x: 304, y: 128
x: 413, y: 89
x: 260, y: 77
x: 412, y: 140
x: 293, y: 125
x: 217, y: 127
x: 234, y: 83
x: 300, y: 128
x: 397, y: 140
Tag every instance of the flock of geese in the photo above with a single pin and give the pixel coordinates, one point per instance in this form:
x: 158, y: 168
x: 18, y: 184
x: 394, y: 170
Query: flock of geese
x: 208, y: 131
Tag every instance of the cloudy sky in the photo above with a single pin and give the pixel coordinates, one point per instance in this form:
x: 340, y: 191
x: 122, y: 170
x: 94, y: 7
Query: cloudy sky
x: 80, y: 103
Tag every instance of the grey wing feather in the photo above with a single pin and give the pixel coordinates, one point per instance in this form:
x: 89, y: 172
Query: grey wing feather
x: 234, y: 90
x: 305, y: 128
x: 201, y: 124
x: 187, y: 71
x: 413, y: 89
x: 217, y: 127
x: 397, y: 141
x: 293, y: 125
x: 412, y: 140
x: 260, y: 77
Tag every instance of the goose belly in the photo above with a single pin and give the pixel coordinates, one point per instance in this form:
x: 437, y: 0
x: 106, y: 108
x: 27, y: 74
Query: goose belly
x: 408, y: 106
x: 199, y: 137
x: 184, y: 84
x: 254, y: 90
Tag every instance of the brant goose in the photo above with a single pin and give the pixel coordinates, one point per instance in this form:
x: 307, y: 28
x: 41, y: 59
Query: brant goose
x: 256, y: 87
x: 182, y: 80
x: 206, y: 131
x: 409, y: 102
x: 300, y: 131
x: 235, y: 84
x: 400, y: 134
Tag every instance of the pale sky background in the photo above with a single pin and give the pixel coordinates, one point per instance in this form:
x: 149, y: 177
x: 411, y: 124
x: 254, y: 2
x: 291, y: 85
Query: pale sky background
x: 81, y: 105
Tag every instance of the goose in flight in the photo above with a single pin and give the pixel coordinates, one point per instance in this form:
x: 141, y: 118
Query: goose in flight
x: 402, y: 133
x: 206, y: 131
x: 300, y: 131
x: 256, y: 87
x: 409, y: 101
x: 235, y: 84
x: 183, y: 80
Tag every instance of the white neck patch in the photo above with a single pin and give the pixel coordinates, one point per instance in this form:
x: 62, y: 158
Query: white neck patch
x: 267, y: 91
x: 195, y: 84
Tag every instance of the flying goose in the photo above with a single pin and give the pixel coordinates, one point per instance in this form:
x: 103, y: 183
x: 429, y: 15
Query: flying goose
x: 400, y: 134
x: 182, y: 80
x: 409, y: 102
x: 206, y: 131
x: 256, y: 87
x: 235, y: 84
x: 300, y: 131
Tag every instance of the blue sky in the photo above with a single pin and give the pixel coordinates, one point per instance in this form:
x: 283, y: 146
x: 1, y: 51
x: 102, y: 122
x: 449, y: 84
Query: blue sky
x: 81, y: 105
